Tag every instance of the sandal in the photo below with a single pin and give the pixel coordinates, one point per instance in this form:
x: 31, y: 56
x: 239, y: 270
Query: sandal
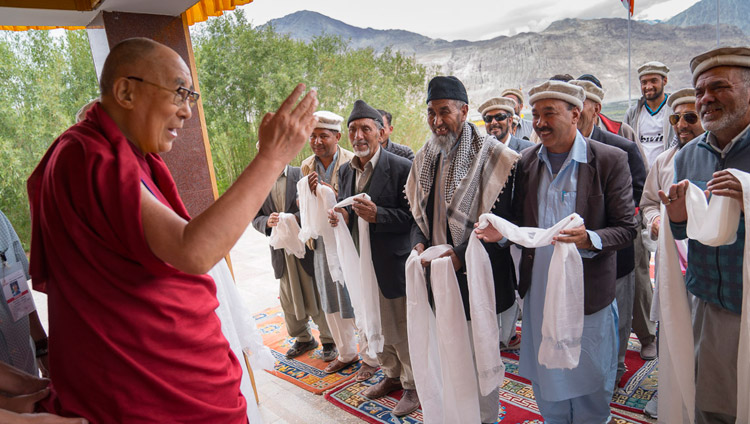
x: 365, y: 372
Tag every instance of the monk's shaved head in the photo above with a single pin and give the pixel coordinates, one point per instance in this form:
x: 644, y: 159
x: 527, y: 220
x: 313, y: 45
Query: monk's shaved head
x: 124, y: 56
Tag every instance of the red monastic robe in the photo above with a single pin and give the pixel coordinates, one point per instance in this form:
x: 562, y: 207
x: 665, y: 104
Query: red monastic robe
x: 132, y: 339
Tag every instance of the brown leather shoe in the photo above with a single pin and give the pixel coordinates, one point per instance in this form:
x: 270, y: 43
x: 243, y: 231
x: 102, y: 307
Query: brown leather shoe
x: 648, y: 352
x: 365, y: 372
x: 409, y: 403
x: 385, y: 386
x: 337, y: 365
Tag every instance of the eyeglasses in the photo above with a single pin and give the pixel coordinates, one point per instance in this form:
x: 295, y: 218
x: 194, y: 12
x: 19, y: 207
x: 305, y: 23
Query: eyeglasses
x: 500, y: 117
x: 689, y: 117
x: 181, y: 93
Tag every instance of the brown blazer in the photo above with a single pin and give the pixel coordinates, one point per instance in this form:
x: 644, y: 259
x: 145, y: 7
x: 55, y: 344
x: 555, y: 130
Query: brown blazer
x: 605, y: 202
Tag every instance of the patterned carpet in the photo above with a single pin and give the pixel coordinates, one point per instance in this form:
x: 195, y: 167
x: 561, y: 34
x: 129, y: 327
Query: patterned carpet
x: 305, y: 371
x: 517, y: 404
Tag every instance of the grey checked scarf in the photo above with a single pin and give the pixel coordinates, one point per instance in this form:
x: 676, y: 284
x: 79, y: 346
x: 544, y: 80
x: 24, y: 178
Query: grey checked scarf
x: 475, y: 179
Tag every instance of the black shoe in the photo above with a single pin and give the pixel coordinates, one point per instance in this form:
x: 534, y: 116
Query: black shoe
x: 298, y: 348
x: 330, y: 352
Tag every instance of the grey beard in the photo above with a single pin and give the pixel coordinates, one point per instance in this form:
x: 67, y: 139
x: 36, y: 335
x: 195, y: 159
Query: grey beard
x: 445, y: 142
x: 362, y: 153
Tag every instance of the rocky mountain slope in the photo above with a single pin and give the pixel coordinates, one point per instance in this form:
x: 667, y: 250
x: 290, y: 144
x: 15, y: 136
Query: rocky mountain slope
x: 571, y: 46
x: 731, y: 12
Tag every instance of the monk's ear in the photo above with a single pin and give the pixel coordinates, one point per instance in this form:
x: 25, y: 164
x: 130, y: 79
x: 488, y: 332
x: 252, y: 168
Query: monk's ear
x: 123, y: 92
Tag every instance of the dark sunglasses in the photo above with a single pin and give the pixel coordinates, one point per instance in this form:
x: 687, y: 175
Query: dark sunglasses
x: 500, y: 117
x: 689, y: 117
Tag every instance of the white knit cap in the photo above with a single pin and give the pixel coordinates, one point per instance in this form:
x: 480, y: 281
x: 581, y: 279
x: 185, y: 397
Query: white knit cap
x: 328, y: 120
x: 559, y: 90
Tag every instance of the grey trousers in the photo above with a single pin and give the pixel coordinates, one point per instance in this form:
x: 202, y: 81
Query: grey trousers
x: 624, y: 293
x: 643, y: 327
x: 716, y: 332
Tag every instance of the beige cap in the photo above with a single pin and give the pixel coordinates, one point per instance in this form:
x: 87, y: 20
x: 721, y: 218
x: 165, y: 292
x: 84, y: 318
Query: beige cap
x: 516, y: 119
x: 497, y: 103
x: 593, y: 92
x: 685, y: 95
x: 653, y: 68
x: 559, y: 90
x: 328, y: 120
x: 723, y: 56
x: 514, y: 91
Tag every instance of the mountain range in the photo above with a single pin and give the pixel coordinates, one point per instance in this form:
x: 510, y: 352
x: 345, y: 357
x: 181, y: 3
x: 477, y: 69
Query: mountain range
x: 573, y: 46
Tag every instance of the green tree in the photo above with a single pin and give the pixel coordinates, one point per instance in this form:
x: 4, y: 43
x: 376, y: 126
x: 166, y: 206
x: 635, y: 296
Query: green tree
x: 245, y: 72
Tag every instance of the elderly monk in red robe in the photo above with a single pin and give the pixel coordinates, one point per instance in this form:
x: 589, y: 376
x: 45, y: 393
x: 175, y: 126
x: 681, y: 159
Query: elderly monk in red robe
x: 133, y: 333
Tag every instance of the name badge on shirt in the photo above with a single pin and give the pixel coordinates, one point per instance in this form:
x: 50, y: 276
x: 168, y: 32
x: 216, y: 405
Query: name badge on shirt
x: 16, y: 291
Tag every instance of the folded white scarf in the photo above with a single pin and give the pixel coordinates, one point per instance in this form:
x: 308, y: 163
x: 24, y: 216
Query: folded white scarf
x: 490, y: 367
x: 314, y: 222
x: 714, y: 224
x: 285, y: 236
x: 359, y: 275
x: 439, y: 342
x: 562, y: 323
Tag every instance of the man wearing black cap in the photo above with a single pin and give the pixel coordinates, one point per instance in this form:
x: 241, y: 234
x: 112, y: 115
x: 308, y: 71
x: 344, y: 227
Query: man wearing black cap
x: 382, y: 175
x: 457, y: 176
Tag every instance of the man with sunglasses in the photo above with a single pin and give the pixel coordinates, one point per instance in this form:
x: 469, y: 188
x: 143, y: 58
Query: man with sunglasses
x: 134, y: 336
x: 714, y: 274
x: 497, y: 113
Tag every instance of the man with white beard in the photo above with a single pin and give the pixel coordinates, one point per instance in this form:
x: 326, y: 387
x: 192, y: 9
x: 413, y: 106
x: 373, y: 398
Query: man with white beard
x: 455, y: 177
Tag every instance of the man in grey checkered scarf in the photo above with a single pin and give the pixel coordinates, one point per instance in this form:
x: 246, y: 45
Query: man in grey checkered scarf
x: 455, y: 177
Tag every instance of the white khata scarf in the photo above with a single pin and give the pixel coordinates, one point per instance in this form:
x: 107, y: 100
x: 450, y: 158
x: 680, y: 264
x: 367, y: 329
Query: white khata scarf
x: 359, y: 275
x: 711, y: 223
x: 447, y: 392
x: 285, y: 236
x: 314, y: 222
x: 562, y: 323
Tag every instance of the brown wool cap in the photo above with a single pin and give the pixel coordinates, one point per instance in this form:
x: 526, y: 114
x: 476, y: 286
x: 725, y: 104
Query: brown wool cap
x: 497, y: 103
x: 682, y: 96
x: 559, y: 90
x: 514, y: 91
x: 723, y: 56
x: 593, y: 92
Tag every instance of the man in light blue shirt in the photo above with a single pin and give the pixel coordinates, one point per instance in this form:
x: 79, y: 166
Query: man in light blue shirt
x: 569, y: 173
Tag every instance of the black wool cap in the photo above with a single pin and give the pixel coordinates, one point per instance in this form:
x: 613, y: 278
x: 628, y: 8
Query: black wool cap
x: 446, y: 88
x: 363, y: 110
x: 590, y: 78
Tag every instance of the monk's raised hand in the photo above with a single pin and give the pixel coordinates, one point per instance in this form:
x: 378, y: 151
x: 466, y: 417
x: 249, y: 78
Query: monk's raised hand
x: 488, y: 233
x: 674, y: 200
x: 284, y: 133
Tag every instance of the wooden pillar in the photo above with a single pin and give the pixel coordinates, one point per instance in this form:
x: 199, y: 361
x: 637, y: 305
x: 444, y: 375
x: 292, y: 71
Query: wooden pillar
x: 190, y: 160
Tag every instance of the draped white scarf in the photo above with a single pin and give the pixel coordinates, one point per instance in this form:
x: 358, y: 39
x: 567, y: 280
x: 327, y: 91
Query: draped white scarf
x: 238, y: 326
x: 360, y: 278
x: 712, y: 223
x: 314, y: 222
x: 440, y: 342
x: 562, y: 323
x: 285, y: 236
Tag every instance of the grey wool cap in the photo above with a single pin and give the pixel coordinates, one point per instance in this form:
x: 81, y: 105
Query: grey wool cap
x: 593, y: 92
x: 653, y: 67
x: 328, y: 120
x: 682, y: 96
x: 448, y: 87
x: 497, y: 103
